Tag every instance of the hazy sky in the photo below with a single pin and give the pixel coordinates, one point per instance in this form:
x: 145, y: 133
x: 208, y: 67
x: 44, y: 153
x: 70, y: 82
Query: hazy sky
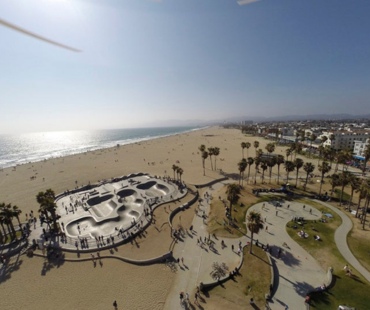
x: 147, y: 62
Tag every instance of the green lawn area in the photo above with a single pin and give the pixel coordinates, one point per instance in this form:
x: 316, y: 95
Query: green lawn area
x: 253, y: 282
x: 353, y: 291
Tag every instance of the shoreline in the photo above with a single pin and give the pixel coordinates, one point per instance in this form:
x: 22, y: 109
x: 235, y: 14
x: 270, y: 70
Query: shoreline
x: 98, y: 148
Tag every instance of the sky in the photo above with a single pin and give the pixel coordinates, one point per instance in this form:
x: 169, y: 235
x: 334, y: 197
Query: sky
x: 171, y: 62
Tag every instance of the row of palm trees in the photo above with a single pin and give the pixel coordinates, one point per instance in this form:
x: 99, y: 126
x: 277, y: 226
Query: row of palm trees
x: 8, y: 213
x: 208, y: 153
x: 177, y: 172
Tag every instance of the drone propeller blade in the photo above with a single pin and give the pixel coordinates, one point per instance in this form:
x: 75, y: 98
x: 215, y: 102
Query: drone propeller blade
x: 36, y: 36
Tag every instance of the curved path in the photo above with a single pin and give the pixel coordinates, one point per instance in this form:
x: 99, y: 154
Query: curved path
x: 296, y: 271
x: 198, y: 261
x: 341, y: 241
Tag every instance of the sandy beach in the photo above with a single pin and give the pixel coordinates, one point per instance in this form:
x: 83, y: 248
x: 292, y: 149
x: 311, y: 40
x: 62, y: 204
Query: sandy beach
x: 78, y: 285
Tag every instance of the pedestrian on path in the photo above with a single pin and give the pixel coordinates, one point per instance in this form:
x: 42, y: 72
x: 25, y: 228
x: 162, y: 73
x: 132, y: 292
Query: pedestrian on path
x: 115, y: 304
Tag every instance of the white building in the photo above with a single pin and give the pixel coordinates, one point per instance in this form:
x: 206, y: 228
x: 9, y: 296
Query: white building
x: 360, y: 147
x: 345, y: 140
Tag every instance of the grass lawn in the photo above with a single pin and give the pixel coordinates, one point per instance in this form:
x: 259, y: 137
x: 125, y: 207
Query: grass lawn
x: 346, y: 290
x: 253, y: 282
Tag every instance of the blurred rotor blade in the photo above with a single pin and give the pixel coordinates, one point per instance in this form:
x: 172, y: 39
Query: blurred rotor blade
x: 36, y: 36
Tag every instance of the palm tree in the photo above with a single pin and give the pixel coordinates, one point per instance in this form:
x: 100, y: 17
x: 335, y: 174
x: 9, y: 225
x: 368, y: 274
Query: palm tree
x: 257, y: 162
x: 2, y: 230
x: 271, y: 163
x: 355, y: 184
x: 298, y: 163
x: 312, y: 137
x: 243, y: 145
x: 254, y: 224
x: 264, y: 168
x: 216, y: 152
x: 366, y: 155
x: 270, y: 148
x: 250, y: 162
x: 204, y: 157
x: 210, y: 154
x: 289, y: 167
x: 7, y: 214
x: 47, y: 204
x: 344, y: 179
x: 174, y: 168
x: 279, y: 161
x: 323, y: 168
x: 202, y: 149
x: 180, y: 171
x: 242, y: 165
x: 232, y: 194
x: 309, y: 168
x: 367, y: 202
x: 256, y: 145
x: 334, y: 181
x: 16, y: 213
x: 247, y: 145
x: 288, y: 152
x: 362, y: 195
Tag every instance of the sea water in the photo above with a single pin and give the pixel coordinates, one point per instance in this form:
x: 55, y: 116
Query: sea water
x: 31, y: 147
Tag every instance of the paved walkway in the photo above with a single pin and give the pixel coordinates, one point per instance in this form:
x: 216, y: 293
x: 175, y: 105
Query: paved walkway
x: 198, y: 261
x: 341, y: 241
x: 297, y: 271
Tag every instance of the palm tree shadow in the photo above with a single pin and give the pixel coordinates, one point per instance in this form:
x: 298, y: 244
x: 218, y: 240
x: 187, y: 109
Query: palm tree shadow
x: 8, y: 268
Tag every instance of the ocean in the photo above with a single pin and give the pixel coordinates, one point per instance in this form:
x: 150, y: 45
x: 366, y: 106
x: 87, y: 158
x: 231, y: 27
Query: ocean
x: 32, y: 147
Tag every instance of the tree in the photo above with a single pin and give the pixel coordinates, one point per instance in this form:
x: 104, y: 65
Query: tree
x: 335, y: 182
x: 257, y: 162
x: 210, y: 154
x: 242, y: 165
x: 355, y: 184
x: 48, y: 206
x: 256, y: 145
x: 232, y: 194
x: 243, y: 145
x: 16, y: 213
x: 6, y: 212
x: 279, y: 161
x: 216, y: 152
x: 323, y: 168
x: 362, y: 195
x: 250, y: 162
x: 247, y: 145
x: 204, y: 157
x: 219, y: 271
x: 366, y: 155
x: 271, y: 163
x: 264, y: 168
x: 174, y: 168
x: 308, y: 168
x: 270, y: 148
x: 180, y: 171
x: 298, y: 163
x: 254, y: 224
x: 312, y: 138
x: 289, y: 167
x: 344, y: 179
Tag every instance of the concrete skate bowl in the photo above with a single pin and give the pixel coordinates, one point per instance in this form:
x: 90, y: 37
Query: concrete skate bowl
x: 98, y: 200
x: 126, y: 193
x: 153, y: 189
x: 89, y: 226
